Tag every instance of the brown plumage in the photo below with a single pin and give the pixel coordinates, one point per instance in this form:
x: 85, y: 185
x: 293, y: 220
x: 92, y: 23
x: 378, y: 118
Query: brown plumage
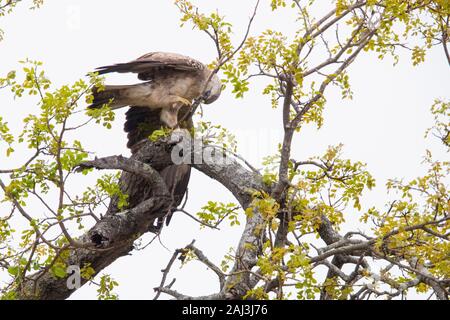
x: 139, y: 124
x: 172, y: 82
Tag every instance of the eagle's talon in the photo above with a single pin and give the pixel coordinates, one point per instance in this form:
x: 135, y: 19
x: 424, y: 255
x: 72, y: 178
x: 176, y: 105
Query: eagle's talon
x: 184, y: 102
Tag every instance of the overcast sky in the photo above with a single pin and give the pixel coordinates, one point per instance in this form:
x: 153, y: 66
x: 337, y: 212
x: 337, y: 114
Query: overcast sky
x: 383, y: 125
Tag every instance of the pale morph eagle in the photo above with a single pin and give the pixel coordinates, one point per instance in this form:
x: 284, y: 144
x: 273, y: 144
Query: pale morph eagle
x: 173, y: 81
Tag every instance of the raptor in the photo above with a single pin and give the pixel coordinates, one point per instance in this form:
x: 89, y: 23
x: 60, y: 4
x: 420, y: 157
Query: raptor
x: 170, y: 84
x: 171, y: 81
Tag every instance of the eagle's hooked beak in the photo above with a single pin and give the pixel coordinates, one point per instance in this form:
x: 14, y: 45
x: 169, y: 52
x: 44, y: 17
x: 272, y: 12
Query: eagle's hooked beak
x: 208, y: 97
x: 206, y: 94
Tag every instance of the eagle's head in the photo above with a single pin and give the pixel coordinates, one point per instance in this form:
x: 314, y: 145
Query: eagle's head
x: 213, y: 90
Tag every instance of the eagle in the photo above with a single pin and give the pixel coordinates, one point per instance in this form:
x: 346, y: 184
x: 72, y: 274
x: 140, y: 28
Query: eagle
x: 171, y: 83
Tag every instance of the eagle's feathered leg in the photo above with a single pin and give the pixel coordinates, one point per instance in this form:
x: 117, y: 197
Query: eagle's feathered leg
x: 170, y: 115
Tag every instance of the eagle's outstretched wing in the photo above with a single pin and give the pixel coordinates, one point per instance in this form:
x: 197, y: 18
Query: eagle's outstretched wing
x: 155, y: 63
x: 140, y: 123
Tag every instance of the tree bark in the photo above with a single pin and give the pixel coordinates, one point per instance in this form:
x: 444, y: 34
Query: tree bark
x: 113, y: 236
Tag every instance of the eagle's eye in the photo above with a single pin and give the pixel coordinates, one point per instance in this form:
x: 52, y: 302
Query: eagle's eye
x: 207, y: 94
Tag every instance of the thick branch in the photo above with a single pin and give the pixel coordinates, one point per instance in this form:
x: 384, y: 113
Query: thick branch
x: 113, y: 236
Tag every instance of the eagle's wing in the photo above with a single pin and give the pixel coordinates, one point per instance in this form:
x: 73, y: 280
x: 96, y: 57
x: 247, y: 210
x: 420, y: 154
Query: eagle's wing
x: 140, y: 123
x: 153, y: 63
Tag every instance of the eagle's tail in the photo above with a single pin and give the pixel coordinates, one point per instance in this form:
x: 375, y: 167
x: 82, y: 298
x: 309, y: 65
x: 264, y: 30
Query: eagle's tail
x: 112, y: 95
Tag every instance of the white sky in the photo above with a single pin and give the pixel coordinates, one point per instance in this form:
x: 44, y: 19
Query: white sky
x: 383, y: 125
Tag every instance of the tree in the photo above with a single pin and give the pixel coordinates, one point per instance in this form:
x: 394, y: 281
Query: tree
x: 401, y: 248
